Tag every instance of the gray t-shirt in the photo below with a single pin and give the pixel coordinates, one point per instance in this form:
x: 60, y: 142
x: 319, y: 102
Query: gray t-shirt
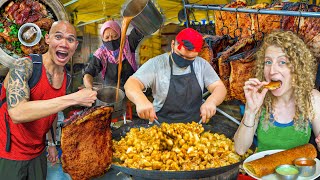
x: 155, y: 74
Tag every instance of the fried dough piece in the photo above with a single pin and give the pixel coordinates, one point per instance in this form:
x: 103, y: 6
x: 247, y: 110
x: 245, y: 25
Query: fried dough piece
x: 273, y: 85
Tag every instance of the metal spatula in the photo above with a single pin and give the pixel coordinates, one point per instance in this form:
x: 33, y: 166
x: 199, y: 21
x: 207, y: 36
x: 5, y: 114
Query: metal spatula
x: 157, y: 122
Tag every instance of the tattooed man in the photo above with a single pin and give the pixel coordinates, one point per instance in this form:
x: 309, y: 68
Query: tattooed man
x: 27, y: 113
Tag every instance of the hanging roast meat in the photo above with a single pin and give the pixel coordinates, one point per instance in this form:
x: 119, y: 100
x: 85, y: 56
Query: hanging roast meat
x: 206, y: 52
x: 218, y: 44
x: 226, y: 22
x: 288, y: 22
x: 239, y: 24
x: 308, y: 28
x: 242, y: 68
x: 86, y: 143
x: 244, y: 44
x: 314, y: 46
x: 246, y: 22
x: 266, y: 23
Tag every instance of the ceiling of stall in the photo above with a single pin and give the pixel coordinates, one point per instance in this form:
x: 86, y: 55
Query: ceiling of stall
x: 83, y: 12
x: 86, y: 11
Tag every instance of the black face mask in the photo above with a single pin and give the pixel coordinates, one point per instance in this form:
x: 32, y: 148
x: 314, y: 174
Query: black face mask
x: 112, y: 45
x: 180, y: 61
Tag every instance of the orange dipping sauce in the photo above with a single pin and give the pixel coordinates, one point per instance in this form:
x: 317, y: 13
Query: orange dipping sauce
x: 305, y: 163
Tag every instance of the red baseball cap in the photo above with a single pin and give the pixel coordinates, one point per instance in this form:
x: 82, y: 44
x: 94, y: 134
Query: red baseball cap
x: 190, y: 39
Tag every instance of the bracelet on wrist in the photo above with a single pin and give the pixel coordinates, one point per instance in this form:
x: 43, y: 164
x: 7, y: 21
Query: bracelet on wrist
x: 254, y: 123
x: 51, y: 143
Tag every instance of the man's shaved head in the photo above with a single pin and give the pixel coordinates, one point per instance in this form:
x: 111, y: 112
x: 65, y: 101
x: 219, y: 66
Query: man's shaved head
x: 62, y: 23
x: 62, y: 41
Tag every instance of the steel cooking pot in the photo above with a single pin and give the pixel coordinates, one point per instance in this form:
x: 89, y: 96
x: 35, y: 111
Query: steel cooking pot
x: 106, y: 96
x: 147, y: 18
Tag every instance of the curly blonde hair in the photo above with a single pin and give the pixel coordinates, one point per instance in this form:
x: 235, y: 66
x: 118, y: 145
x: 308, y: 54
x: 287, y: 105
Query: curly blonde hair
x: 302, y: 65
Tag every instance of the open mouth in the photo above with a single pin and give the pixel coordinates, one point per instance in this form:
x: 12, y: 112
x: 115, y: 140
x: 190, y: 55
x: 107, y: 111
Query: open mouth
x: 61, y: 55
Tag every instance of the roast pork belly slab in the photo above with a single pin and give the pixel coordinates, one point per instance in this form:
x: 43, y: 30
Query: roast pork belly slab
x: 86, y: 143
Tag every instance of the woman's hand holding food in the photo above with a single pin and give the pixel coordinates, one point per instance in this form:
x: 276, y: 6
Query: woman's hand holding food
x: 253, y: 96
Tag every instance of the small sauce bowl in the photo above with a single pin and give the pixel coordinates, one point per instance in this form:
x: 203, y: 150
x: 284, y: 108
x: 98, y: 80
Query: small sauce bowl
x: 29, y: 34
x: 306, y: 166
x: 287, y: 172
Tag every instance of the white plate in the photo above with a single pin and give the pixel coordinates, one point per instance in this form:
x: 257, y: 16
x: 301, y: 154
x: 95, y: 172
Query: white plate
x: 273, y: 176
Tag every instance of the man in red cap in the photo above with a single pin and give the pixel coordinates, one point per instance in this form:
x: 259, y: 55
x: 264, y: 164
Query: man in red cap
x: 178, y: 80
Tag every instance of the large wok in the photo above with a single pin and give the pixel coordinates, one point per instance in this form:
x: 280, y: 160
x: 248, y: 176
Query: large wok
x: 231, y: 170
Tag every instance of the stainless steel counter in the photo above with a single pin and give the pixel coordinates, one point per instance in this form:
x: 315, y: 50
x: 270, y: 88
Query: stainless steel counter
x: 56, y: 173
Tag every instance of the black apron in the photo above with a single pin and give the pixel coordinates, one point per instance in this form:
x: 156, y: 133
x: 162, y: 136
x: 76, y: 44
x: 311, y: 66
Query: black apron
x: 183, y: 100
x: 111, y: 76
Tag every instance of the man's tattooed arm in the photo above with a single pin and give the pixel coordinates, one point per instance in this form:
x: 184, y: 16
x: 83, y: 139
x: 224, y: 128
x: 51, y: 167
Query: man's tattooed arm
x: 18, y: 89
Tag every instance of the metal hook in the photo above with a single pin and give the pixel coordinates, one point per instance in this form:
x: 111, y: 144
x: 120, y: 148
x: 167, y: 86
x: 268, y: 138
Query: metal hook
x: 221, y: 15
x: 207, y: 12
x: 258, y: 20
x: 298, y: 28
x: 250, y: 29
x: 223, y: 26
x: 210, y: 26
x: 235, y: 31
x: 300, y: 15
x: 255, y: 35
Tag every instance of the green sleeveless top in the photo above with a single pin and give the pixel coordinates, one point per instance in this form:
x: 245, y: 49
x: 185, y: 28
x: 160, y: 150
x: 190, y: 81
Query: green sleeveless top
x: 280, y: 136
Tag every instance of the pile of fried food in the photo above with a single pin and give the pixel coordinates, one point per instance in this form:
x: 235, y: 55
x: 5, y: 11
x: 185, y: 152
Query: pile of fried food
x: 174, y: 147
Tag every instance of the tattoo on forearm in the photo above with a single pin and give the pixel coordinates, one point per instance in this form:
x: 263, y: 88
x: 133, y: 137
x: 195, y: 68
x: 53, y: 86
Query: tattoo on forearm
x: 18, y: 88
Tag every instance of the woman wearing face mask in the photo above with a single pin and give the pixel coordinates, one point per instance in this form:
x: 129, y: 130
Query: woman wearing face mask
x: 105, y: 59
x: 177, y: 80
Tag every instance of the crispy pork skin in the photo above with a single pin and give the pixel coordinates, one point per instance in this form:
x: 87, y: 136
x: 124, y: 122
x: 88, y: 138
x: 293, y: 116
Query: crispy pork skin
x: 241, y: 71
x: 206, y: 52
x: 243, y: 45
x: 86, y: 143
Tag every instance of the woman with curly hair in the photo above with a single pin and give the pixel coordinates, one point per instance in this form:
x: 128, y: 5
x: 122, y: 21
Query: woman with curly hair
x: 282, y: 118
